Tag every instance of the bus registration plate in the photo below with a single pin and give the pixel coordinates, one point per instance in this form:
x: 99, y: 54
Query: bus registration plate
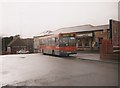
x: 68, y: 52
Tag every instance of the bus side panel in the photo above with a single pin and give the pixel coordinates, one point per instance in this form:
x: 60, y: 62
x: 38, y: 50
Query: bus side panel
x: 59, y: 50
x: 47, y: 51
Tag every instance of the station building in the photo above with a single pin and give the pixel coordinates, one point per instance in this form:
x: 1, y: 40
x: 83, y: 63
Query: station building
x: 102, y: 38
x: 88, y: 36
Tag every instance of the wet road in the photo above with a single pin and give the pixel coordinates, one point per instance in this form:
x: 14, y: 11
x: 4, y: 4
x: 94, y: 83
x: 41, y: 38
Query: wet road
x: 45, y: 70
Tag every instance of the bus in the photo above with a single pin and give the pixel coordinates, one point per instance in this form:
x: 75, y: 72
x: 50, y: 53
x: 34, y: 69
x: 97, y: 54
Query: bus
x: 62, y: 44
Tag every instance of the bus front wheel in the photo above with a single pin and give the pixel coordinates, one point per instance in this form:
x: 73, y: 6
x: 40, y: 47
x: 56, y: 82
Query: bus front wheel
x: 42, y: 51
x: 53, y: 53
x: 67, y: 55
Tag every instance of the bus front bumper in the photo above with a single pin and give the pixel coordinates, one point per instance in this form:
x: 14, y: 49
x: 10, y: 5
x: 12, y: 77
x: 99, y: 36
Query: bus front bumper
x: 67, y: 52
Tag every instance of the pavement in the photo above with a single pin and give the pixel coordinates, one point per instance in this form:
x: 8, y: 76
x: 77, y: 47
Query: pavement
x: 46, y: 70
x: 93, y: 56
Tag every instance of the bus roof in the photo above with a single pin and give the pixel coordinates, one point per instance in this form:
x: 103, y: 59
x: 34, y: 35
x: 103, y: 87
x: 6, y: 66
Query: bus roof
x: 53, y: 35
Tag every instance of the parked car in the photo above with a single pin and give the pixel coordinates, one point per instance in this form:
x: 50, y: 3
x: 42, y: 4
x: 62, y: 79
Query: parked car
x: 22, y: 52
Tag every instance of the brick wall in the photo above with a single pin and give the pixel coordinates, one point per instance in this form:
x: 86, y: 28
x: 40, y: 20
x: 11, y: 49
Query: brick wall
x: 115, y: 32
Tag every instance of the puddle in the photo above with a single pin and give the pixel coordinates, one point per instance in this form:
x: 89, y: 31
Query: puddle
x: 22, y: 57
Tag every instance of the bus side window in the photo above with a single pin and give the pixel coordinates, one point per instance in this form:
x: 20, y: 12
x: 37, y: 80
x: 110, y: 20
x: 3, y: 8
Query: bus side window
x: 41, y: 42
x: 49, y: 42
x: 46, y: 42
x: 56, y: 42
x: 53, y: 41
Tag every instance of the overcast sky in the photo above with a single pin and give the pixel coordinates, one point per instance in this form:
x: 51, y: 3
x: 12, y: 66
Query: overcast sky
x: 31, y: 18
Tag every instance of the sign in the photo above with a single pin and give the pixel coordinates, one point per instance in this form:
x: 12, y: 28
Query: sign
x: 98, y: 34
x: 85, y: 35
x: 67, y: 35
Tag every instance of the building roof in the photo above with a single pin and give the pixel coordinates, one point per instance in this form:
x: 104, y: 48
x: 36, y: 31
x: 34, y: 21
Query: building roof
x: 102, y: 27
x: 28, y: 41
x: 17, y: 41
x: 44, y: 33
x: 75, y: 29
x: 81, y: 28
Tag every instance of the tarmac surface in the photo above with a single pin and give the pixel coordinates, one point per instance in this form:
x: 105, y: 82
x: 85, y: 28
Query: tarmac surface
x: 46, y: 70
x: 94, y: 57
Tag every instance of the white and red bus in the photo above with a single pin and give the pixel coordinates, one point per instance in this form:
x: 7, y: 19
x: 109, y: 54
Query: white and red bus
x: 62, y: 44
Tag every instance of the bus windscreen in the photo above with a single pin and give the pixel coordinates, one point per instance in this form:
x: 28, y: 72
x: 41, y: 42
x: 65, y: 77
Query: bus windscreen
x: 67, y: 40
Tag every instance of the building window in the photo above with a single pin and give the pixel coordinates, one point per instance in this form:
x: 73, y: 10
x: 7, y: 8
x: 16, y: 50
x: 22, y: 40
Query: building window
x: 79, y: 43
x: 86, y: 42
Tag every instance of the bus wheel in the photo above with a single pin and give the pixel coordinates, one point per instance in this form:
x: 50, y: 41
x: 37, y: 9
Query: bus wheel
x: 53, y: 53
x: 42, y: 51
x: 67, y: 55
